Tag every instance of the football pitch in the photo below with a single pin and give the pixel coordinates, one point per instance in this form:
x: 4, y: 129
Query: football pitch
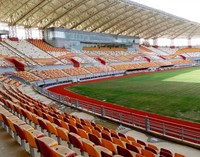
x: 174, y: 93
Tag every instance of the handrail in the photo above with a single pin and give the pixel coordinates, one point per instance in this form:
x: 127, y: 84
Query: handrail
x: 165, y: 128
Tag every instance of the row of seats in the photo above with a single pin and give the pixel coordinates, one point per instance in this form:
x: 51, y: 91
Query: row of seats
x: 51, y: 73
x: 36, y: 139
x: 45, y: 47
x: 95, y: 139
x: 44, y: 54
x: 47, y: 125
x: 178, y: 62
x: 26, y: 76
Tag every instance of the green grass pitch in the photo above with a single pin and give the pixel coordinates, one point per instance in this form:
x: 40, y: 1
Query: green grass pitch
x: 174, y: 93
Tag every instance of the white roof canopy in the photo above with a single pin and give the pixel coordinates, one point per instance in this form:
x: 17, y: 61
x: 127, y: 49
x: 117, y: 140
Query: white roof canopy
x: 120, y: 17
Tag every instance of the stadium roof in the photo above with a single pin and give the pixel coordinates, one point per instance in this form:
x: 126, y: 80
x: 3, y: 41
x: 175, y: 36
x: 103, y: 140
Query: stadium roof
x: 119, y: 17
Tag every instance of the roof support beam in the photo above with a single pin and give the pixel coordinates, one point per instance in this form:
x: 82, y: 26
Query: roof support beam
x: 81, y: 2
x: 107, y: 6
x: 32, y: 11
x: 116, y: 19
x: 181, y: 31
x: 135, y: 24
x: 163, y: 30
x: 102, y: 17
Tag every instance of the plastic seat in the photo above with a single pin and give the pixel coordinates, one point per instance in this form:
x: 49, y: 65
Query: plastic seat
x: 30, y: 137
x: 139, y: 155
x: 83, y: 133
x: 166, y: 150
x: 28, y: 115
x: 73, y: 129
x: 121, y: 135
x: 132, y: 148
x: 147, y: 153
x: 124, y: 152
x: 95, y: 151
x: 124, y: 139
x: 51, y: 128
x: 48, y: 117
x: 76, y: 141
x: 87, y: 129
x: 103, y: 154
x: 98, y: 128
x: 166, y: 154
x: 119, y: 142
x: 96, y: 132
x: 153, y: 147
x: 94, y: 139
x: 63, y: 133
x: 131, y: 138
x: 79, y: 125
x: 142, y: 143
x: 114, y: 135
x: 109, y: 145
x: 21, y: 134
x: 106, y: 136
x: 151, y: 150
x: 35, y: 120
x: 72, y: 121
x: 42, y: 124
x: 105, y: 131
x: 64, y: 125
x: 54, y: 151
x: 137, y: 145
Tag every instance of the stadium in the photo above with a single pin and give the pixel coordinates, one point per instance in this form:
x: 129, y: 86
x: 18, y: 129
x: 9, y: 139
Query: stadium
x: 89, y: 78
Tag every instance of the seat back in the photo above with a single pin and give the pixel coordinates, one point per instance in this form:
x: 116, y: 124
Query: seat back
x: 153, y: 147
x: 147, y: 153
x: 166, y: 154
x: 73, y: 129
x: 51, y: 128
x: 75, y: 141
x: 130, y: 138
x: 83, y: 133
x: 20, y: 132
x: 106, y: 136
x: 90, y: 149
x: 141, y: 142
x: 43, y: 148
x: 94, y: 139
x: 104, y: 154
x: 42, y: 124
x: 109, y: 145
x: 30, y: 138
x: 63, y: 133
x: 132, y: 148
x: 87, y: 129
x: 151, y: 150
x: 124, y: 152
x: 78, y: 125
x: 118, y: 142
x: 64, y: 125
x: 96, y: 132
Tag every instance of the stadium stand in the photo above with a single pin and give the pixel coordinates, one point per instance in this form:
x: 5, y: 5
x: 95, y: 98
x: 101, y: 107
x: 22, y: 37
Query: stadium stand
x: 64, y: 54
x: 20, y: 119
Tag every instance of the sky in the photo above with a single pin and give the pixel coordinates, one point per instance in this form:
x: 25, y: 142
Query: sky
x: 188, y: 9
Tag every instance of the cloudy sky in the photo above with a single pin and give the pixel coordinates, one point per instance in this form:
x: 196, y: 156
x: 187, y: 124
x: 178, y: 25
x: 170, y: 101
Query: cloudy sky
x: 189, y: 9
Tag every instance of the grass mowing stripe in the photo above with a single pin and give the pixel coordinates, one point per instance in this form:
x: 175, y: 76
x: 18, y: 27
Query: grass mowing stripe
x: 151, y: 93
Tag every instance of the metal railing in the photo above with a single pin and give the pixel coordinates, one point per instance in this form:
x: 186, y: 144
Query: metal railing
x: 183, y: 133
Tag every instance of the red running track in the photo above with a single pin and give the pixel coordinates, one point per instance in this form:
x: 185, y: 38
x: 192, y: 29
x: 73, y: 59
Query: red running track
x: 174, y: 127
x: 191, y: 129
x: 61, y: 89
